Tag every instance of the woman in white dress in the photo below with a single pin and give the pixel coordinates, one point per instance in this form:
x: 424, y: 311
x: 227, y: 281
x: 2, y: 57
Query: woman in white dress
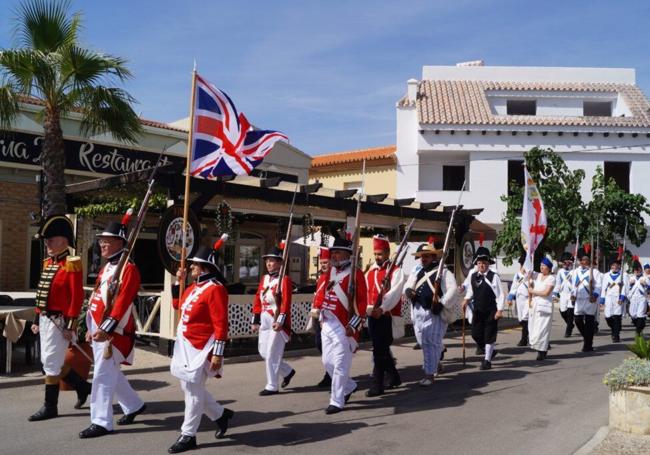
x: 540, y: 317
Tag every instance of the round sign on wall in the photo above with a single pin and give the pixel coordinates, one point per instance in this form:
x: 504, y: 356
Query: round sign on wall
x: 170, y: 237
x: 467, y: 253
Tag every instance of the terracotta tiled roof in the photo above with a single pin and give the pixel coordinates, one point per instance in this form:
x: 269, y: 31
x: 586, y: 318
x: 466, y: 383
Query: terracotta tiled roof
x: 353, y: 156
x: 465, y: 103
x: 152, y: 123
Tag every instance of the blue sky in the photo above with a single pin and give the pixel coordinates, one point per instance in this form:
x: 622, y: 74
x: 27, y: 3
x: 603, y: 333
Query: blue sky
x: 328, y: 74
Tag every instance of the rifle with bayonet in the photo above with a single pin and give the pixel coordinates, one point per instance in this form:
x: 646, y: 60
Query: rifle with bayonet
x: 285, y: 259
x: 393, y: 263
x: 114, y: 283
x: 436, y: 306
x: 353, y: 311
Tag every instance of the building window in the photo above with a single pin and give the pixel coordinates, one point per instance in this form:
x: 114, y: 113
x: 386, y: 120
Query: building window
x: 152, y: 272
x: 521, y: 107
x: 620, y: 172
x: 597, y: 108
x: 453, y: 178
x: 516, y: 173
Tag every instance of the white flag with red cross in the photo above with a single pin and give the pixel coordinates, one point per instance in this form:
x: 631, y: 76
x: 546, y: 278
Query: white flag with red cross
x: 533, y: 220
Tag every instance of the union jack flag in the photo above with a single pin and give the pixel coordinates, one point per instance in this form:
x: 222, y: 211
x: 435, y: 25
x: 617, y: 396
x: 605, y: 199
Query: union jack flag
x: 223, y: 142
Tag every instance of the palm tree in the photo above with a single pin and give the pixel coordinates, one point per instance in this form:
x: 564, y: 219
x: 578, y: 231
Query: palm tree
x: 51, y: 65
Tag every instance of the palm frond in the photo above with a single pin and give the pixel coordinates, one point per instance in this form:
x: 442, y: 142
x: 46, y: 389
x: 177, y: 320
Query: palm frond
x: 107, y: 109
x: 8, y: 103
x: 82, y: 67
x: 46, y: 25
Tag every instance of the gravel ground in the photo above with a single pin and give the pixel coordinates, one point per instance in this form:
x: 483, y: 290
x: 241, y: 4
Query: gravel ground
x: 620, y: 443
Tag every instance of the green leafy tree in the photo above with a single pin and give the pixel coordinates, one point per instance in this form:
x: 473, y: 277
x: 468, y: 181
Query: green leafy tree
x: 49, y: 64
x: 560, y: 190
x: 608, y: 212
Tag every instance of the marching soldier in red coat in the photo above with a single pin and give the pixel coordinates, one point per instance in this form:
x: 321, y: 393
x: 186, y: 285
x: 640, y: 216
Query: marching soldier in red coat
x: 339, y: 326
x: 200, y: 344
x: 382, y: 303
x: 324, y: 268
x: 112, y: 332
x: 274, y: 331
x: 59, y: 298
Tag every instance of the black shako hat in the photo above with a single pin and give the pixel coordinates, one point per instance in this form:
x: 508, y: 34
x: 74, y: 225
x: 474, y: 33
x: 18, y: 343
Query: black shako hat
x: 207, y: 256
x: 482, y: 253
x: 275, y: 252
x: 57, y: 225
x: 115, y: 229
x: 566, y: 256
x: 342, y: 244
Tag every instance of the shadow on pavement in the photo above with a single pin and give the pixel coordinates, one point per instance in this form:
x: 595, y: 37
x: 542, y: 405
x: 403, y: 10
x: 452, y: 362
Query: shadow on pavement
x: 290, y: 434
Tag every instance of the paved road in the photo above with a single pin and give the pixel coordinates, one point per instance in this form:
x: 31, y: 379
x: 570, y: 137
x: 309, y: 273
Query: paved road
x: 518, y: 407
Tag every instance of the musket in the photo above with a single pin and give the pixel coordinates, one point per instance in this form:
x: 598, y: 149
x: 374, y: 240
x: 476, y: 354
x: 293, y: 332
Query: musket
x: 285, y: 259
x: 445, y: 251
x: 575, y: 262
x: 352, y: 286
x: 114, y: 283
x: 393, y: 263
x: 622, y: 261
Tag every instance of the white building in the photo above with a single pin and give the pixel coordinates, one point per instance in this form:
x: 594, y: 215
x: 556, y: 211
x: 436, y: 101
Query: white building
x: 475, y: 122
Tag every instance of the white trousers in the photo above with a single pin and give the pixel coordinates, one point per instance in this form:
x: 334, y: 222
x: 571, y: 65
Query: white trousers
x: 521, y: 303
x: 108, y: 382
x: 431, y: 329
x: 337, y: 359
x: 271, y: 348
x: 198, y: 401
x: 414, y: 316
x: 539, y: 329
x: 53, y: 345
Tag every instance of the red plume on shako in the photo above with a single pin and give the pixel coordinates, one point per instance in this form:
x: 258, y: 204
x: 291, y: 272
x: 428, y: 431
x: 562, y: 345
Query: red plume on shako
x: 219, y: 243
x: 127, y: 217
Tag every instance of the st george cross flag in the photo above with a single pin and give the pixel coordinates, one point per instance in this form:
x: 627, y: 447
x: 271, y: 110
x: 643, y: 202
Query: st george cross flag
x: 223, y: 141
x: 533, y: 220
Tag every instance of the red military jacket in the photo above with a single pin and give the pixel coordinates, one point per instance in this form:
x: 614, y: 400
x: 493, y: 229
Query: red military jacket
x: 204, y: 313
x: 331, y: 295
x: 265, y: 300
x: 61, y: 287
x: 374, y: 278
x: 120, y: 322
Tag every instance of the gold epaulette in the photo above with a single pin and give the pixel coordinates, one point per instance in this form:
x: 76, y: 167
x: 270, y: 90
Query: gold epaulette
x: 73, y: 264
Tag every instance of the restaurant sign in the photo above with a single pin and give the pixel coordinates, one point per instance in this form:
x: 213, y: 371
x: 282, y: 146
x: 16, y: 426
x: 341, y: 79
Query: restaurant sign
x: 24, y: 148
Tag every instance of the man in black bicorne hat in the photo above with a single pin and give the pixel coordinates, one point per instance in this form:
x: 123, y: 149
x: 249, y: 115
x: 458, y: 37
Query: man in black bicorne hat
x: 59, y: 298
x: 485, y: 289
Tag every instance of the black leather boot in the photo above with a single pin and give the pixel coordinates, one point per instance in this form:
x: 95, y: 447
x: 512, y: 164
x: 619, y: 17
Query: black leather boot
x: 80, y: 386
x: 524, y: 334
x: 49, y: 410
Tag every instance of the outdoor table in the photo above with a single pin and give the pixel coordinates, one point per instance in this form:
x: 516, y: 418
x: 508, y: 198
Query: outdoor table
x: 13, y: 319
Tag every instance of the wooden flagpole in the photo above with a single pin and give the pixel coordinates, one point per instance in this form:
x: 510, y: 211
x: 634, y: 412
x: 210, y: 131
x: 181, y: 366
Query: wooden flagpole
x: 186, y: 197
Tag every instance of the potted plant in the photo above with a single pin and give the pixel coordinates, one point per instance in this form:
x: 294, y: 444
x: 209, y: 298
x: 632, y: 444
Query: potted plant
x: 629, y: 386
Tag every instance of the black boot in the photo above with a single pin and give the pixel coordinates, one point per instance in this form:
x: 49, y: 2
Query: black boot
x: 524, y: 334
x: 223, y: 422
x: 325, y: 382
x: 49, y: 409
x: 394, y: 379
x: 377, y: 387
x: 81, y: 386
